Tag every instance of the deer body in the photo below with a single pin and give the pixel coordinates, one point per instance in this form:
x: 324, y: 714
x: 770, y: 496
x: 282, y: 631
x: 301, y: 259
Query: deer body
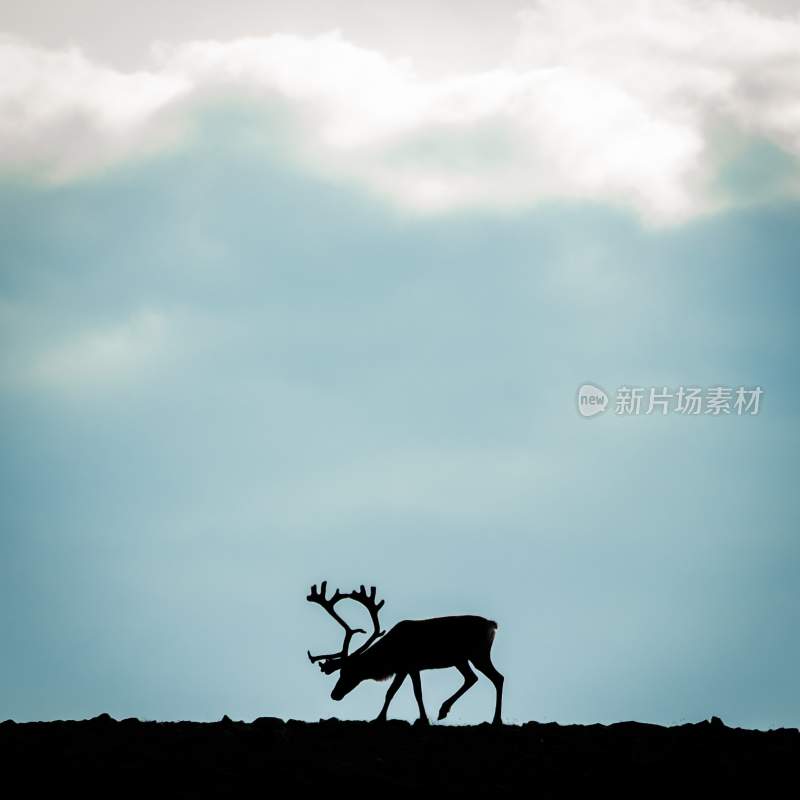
x: 417, y: 644
x: 408, y: 648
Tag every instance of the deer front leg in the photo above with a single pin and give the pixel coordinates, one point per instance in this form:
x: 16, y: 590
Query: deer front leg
x: 417, y: 684
x: 396, y: 683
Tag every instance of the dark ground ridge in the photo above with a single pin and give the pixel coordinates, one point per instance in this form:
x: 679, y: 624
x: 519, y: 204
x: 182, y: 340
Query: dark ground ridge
x: 227, y: 758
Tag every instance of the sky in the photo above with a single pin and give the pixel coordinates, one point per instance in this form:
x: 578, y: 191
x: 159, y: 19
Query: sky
x: 293, y: 292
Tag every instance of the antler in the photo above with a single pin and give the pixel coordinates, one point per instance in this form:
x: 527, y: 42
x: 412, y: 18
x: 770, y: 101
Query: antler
x: 368, y: 601
x: 328, y: 604
x: 333, y: 661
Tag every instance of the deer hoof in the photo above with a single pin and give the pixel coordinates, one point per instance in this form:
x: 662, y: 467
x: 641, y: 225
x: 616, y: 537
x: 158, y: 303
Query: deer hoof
x: 422, y: 722
x: 443, y: 712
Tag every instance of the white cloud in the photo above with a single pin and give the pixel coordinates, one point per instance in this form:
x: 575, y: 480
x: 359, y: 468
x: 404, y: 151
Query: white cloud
x: 61, y: 113
x: 633, y: 103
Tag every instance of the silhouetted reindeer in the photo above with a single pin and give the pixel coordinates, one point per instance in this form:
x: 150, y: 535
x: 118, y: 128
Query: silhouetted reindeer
x: 409, y: 647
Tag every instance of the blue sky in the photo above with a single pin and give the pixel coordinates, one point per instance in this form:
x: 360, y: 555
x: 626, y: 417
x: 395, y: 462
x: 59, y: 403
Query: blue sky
x: 257, y: 333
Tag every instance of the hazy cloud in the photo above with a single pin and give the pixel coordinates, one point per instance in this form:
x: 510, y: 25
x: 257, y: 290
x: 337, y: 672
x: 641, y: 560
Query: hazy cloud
x: 98, y: 356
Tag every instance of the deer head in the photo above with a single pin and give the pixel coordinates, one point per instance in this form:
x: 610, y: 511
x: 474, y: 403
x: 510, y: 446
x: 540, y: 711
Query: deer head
x: 343, y: 661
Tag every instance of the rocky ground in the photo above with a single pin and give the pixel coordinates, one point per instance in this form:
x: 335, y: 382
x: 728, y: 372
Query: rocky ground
x: 226, y: 758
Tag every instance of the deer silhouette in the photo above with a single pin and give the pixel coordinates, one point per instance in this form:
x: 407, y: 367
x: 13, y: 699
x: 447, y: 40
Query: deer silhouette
x: 408, y: 648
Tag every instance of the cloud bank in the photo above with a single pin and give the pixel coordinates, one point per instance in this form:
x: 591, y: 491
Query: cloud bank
x: 637, y: 104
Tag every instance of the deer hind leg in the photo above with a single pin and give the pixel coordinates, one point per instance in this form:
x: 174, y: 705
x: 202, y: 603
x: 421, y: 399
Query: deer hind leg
x: 396, y: 683
x: 417, y: 684
x: 483, y: 663
x: 470, y: 679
